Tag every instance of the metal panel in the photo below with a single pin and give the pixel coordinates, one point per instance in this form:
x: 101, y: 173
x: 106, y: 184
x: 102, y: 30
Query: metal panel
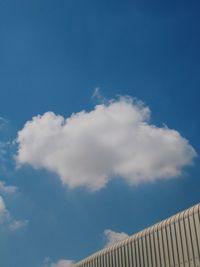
x: 179, y: 243
x: 134, y: 253
x: 194, y: 240
x: 108, y: 259
x: 153, y: 252
x: 101, y: 259
x: 184, y: 243
x: 130, y: 254
x: 114, y: 258
x: 161, y: 248
x: 127, y: 263
x: 140, y: 252
x: 144, y: 251
x: 104, y: 260
x: 157, y: 252
x: 117, y: 257
x: 120, y: 256
x: 197, y: 228
x: 123, y: 255
x: 92, y: 260
x: 174, y: 245
x: 111, y: 258
x: 169, y: 242
x: 137, y: 253
x: 96, y: 261
x: 189, y: 243
x: 149, y: 254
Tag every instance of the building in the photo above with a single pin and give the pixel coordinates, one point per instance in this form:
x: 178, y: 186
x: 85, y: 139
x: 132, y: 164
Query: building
x: 173, y: 242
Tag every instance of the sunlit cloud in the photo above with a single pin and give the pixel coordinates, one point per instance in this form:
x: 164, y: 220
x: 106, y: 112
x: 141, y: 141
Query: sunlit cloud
x: 113, y: 237
x: 115, y: 139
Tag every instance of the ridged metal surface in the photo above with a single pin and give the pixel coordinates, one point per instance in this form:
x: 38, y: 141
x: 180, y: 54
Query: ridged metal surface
x: 171, y: 243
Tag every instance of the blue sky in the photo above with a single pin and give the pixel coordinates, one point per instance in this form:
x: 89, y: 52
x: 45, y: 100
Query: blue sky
x: 53, y: 54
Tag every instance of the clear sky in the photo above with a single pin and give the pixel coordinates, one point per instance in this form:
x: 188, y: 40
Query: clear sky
x: 67, y: 185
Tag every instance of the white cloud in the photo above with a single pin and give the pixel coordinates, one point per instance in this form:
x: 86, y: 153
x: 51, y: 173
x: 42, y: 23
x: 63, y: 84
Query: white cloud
x: 7, y: 221
x: 114, y: 237
x: 114, y: 139
x: 9, y: 189
x: 63, y: 263
x: 60, y: 263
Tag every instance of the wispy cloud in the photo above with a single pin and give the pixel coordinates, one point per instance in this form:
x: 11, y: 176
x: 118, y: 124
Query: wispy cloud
x: 115, y: 139
x: 60, y: 263
x: 8, y: 189
x: 7, y: 221
x: 113, y: 237
x: 2, y: 149
x: 15, y: 225
x: 98, y: 96
x: 3, y: 122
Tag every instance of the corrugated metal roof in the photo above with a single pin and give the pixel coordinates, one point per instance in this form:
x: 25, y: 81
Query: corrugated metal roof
x: 179, y: 216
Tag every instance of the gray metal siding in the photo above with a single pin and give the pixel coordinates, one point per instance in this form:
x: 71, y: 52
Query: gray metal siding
x: 174, y: 242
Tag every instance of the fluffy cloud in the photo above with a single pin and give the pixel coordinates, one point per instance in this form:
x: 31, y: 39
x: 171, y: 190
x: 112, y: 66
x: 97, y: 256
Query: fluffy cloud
x: 6, y: 219
x: 63, y: 263
x: 114, y: 237
x: 114, y: 139
x: 60, y: 263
